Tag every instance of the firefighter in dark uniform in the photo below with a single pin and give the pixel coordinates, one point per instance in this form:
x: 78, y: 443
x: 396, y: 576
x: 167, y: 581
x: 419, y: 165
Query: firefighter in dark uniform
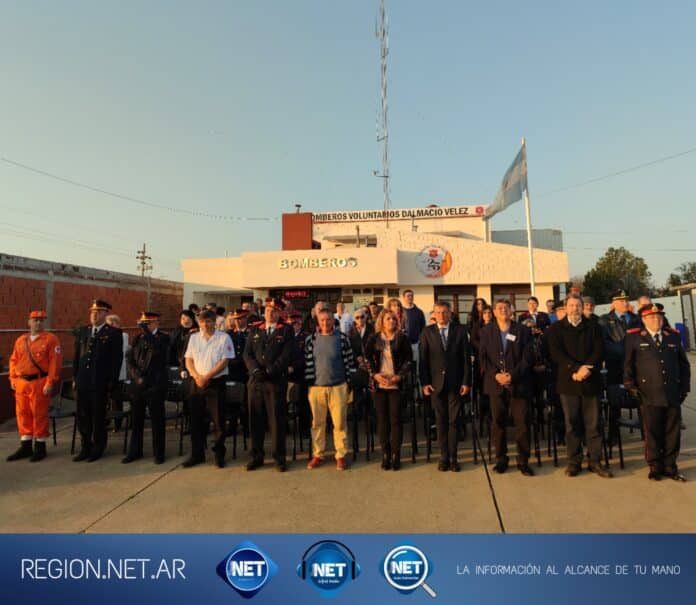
x: 96, y: 367
x: 269, y: 350
x: 146, y: 363
x: 238, y: 331
x: 657, y: 372
x: 614, y: 326
x: 297, y: 386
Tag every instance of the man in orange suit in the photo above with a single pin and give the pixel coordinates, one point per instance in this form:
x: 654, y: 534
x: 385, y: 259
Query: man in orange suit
x: 35, y: 366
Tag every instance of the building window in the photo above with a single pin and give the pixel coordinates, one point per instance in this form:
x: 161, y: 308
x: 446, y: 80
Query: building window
x: 393, y: 292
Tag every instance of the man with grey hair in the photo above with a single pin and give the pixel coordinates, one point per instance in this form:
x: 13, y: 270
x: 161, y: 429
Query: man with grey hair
x: 576, y: 347
x: 329, y: 366
x: 345, y: 319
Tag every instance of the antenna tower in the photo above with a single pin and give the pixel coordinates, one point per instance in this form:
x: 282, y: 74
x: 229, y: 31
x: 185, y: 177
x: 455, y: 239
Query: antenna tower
x: 383, y: 129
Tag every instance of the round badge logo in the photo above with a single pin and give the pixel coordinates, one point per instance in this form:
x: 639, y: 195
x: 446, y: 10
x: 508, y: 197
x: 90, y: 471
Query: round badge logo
x: 434, y: 261
x: 329, y: 566
x: 406, y: 568
x: 247, y: 569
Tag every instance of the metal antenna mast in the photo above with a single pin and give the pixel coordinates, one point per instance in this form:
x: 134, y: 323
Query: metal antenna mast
x: 383, y: 129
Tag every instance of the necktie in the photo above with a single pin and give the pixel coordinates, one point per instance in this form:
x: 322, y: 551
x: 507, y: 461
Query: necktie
x: 443, y: 337
x: 658, y: 342
x: 269, y: 330
x: 94, y: 331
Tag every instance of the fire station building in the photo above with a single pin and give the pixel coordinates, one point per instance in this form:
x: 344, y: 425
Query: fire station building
x: 440, y: 252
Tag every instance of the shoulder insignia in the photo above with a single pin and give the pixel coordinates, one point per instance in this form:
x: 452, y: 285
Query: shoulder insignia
x: 642, y: 332
x: 634, y: 331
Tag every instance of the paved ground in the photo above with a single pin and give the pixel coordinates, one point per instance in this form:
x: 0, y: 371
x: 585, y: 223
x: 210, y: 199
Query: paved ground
x: 58, y: 495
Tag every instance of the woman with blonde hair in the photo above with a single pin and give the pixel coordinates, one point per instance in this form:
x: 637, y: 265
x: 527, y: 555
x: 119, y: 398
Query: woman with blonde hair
x: 396, y: 306
x: 388, y: 354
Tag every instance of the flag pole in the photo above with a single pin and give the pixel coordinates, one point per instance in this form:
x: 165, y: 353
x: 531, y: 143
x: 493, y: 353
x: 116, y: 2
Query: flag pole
x: 529, y: 226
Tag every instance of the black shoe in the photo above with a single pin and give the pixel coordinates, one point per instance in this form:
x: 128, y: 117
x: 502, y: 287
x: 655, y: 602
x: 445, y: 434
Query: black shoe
x: 600, y: 470
x: 573, y: 470
x: 455, y: 466
x: 83, y: 455
x: 443, y: 465
x: 39, y: 451
x: 220, y: 451
x: 189, y: 462
x: 130, y: 458
x: 525, y: 469
x: 396, y: 462
x: 94, y: 457
x: 253, y: 464
x: 24, y: 451
x: 159, y: 460
x: 501, y: 466
x: 654, y: 475
x: 675, y: 475
x: 281, y: 467
x: 386, y: 462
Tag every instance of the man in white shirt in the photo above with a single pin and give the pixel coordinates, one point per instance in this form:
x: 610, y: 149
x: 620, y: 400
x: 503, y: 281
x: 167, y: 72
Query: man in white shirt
x: 345, y: 320
x: 207, y: 357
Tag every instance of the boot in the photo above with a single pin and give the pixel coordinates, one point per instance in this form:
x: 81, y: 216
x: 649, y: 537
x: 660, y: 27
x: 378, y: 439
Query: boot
x: 386, y: 458
x: 396, y: 461
x: 39, y: 451
x: 24, y: 451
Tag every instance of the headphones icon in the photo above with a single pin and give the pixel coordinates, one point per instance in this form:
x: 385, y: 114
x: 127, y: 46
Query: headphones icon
x: 341, y: 544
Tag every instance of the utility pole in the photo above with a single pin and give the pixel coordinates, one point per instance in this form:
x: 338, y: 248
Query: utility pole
x: 144, y: 264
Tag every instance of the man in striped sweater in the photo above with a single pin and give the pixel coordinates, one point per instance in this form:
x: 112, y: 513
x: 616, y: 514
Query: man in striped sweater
x: 328, y: 367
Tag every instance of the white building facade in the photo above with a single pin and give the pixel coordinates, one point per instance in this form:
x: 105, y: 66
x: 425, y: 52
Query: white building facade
x: 441, y: 253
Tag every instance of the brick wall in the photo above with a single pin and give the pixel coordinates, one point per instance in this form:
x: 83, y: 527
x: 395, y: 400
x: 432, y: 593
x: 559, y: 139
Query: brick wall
x: 66, y: 293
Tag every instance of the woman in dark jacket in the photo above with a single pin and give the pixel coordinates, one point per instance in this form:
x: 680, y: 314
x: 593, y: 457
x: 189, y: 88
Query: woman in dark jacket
x: 388, y: 354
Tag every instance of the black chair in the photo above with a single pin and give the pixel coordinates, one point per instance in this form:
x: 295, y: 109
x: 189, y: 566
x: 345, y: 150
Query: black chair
x: 617, y: 421
x: 121, y: 416
x: 175, y: 395
x: 236, y: 413
x: 57, y: 411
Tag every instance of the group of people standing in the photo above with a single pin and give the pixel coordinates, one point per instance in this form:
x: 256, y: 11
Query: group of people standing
x: 322, y: 363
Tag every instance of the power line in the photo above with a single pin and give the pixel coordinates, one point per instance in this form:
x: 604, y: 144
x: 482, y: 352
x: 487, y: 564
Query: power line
x: 618, y: 172
x: 134, y: 200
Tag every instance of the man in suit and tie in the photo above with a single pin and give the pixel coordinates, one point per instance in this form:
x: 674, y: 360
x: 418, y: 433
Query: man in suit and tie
x: 506, y: 356
x: 96, y: 367
x: 445, y: 375
x: 541, y: 320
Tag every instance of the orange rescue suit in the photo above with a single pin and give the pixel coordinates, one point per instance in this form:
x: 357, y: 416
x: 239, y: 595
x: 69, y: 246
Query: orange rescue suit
x: 31, y: 403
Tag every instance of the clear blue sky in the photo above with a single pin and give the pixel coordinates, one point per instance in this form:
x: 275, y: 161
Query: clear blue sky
x: 243, y: 108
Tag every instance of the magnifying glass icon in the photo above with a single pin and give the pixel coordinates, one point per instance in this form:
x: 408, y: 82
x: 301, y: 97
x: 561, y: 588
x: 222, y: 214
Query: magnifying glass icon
x: 406, y: 568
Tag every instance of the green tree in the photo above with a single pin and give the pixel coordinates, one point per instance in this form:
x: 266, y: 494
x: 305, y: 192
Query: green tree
x: 686, y: 274
x: 617, y: 269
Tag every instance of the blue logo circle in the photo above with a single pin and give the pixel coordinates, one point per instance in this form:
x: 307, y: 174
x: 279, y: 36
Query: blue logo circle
x: 329, y: 568
x: 406, y: 567
x: 247, y: 569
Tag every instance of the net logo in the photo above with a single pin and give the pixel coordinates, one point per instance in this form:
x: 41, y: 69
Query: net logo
x: 247, y: 569
x: 329, y: 566
x: 406, y: 568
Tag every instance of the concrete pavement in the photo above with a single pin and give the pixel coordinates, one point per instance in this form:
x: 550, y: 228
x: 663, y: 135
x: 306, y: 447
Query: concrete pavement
x: 58, y: 495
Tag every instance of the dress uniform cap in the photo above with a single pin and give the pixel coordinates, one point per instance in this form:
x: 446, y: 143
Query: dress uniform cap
x: 100, y: 305
x: 294, y: 315
x: 148, y: 316
x: 37, y: 315
x: 619, y: 295
x: 239, y: 313
x: 276, y: 303
x: 651, y: 309
x: 558, y: 305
